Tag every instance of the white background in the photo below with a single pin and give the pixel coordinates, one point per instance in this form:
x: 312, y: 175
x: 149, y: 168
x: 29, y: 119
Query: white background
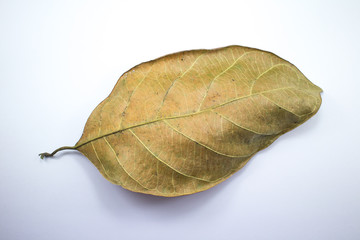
x: 59, y: 59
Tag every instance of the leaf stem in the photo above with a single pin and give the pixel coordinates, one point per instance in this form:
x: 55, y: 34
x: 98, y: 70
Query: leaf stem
x: 45, y: 154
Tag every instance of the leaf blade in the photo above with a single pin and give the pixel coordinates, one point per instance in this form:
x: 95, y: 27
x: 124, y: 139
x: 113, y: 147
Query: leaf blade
x: 194, y: 118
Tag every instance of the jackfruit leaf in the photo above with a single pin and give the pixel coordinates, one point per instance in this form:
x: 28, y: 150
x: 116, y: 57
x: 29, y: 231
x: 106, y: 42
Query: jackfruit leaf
x: 187, y: 121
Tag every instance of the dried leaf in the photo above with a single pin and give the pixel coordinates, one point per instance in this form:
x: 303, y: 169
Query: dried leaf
x: 187, y: 121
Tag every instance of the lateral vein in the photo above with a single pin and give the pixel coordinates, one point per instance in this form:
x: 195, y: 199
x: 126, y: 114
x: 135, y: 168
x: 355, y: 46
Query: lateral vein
x: 160, y: 160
